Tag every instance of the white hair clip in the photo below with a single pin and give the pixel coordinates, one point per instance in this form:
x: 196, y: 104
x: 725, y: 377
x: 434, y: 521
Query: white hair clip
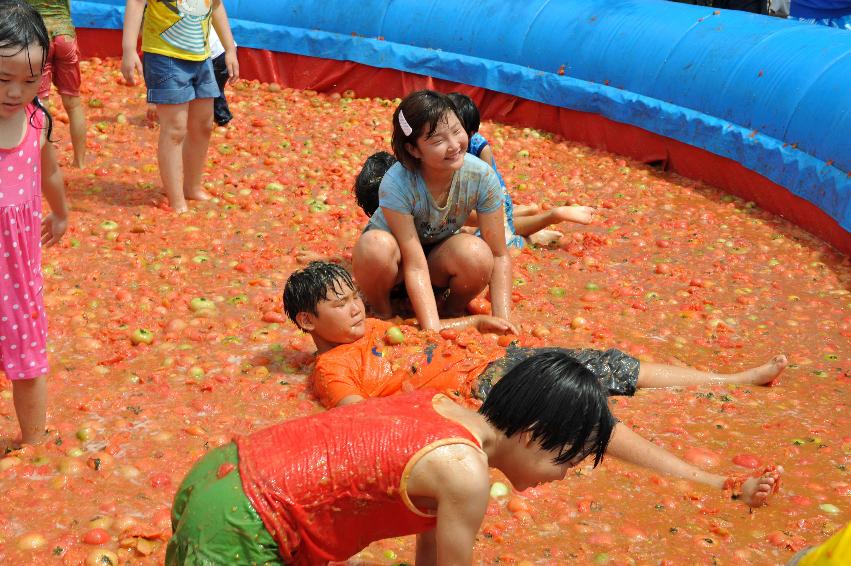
x: 403, y: 123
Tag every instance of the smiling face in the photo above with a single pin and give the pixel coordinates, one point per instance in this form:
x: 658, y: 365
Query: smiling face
x: 20, y: 77
x: 339, y: 319
x: 444, y: 149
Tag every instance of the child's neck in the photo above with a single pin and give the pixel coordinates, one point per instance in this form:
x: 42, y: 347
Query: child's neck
x: 437, y: 181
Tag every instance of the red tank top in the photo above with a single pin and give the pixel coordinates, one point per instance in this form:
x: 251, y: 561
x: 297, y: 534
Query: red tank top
x: 328, y: 485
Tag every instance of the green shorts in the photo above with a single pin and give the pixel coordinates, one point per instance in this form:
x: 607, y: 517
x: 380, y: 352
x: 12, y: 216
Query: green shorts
x: 213, y: 520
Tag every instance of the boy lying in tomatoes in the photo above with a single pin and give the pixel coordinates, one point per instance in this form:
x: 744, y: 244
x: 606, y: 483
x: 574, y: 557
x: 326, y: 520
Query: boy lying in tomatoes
x: 359, y: 358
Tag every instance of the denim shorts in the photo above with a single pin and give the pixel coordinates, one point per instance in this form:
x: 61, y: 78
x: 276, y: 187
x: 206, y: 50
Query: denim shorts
x: 177, y: 81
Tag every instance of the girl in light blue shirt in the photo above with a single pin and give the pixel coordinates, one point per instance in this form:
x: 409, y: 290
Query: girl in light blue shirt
x: 414, y: 237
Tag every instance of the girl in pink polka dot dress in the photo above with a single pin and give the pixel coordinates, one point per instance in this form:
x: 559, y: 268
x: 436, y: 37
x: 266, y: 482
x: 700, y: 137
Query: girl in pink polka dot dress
x: 27, y: 166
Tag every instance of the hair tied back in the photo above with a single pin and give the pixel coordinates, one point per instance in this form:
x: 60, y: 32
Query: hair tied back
x: 403, y: 123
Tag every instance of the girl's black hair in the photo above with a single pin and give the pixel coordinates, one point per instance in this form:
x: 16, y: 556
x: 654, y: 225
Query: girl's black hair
x: 468, y: 113
x: 307, y: 287
x: 369, y: 179
x: 20, y: 26
x: 423, y: 111
x: 558, y: 400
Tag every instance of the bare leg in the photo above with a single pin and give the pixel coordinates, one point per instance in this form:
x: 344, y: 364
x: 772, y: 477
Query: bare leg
x: 528, y: 225
x: 30, y: 398
x: 376, y: 266
x: 463, y: 263
x: 77, y: 120
x: 199, y: 127
x: 659, y: 375
x: 628, y: 446
x: 170, y: 152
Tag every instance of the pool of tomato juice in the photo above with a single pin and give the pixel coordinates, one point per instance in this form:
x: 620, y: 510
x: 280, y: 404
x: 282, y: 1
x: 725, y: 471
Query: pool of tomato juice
x: 671, y: 270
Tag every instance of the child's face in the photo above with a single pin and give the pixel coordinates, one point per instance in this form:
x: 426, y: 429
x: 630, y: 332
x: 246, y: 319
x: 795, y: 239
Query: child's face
x: 445, y: 148
x: 533, y: 465
x: 339, y: 319
x: 20, y: 77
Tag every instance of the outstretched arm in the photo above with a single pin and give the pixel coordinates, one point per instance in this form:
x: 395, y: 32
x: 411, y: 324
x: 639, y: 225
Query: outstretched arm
x: 628, y: 446
x: 483, y: 323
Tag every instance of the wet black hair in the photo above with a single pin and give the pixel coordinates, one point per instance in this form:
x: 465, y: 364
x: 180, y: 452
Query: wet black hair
x: 468, y: 112
x: 423, y: 111
x: 307, y: 287
x: 558, y: 400
x: 369, y: 179
x: 20, y: 27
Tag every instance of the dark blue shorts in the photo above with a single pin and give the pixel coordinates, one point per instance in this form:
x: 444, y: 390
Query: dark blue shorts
x: 177, y: 81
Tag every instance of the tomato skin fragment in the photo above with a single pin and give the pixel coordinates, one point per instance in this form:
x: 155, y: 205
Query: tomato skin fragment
x: 225, y: 469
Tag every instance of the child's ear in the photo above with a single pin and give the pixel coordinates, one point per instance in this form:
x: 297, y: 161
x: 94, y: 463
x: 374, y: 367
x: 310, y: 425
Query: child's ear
x: 413, y: 150
x: 525, y: 439
x: 305, y: 321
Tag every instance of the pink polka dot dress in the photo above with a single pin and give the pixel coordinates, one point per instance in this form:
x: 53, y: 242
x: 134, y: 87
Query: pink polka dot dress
x: 23, y: 327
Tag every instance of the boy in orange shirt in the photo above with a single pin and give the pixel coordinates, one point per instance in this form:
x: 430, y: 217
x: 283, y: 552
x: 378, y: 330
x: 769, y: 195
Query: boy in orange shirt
x: 358, y: 358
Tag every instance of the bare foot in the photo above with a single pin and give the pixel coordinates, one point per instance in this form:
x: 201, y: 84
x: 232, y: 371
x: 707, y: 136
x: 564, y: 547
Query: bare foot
x: 196, y: 194
x: 578, y: 214
x: 545, y: 237
x: 180, y: 208
x: 79, y: 163
x: 756, y: 491
x: 766, y: 374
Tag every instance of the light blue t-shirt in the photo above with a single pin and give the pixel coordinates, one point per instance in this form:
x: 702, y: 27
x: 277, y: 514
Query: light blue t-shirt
x: 474, y: 187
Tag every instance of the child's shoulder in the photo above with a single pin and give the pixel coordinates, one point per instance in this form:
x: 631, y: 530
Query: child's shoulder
x: 397, y: 175
x: 475, y: 166
x: 397, y: 178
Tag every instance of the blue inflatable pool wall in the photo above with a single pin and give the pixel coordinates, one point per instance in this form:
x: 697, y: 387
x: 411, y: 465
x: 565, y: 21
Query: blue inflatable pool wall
x: 773, y: 95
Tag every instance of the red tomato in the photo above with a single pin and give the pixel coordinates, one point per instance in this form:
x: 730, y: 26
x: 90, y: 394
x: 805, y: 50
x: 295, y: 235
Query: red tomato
x: 747, y: 461
x: 701, y: 457
x: 479, y: 305
x: 96, y: 536
x: 449, y: 334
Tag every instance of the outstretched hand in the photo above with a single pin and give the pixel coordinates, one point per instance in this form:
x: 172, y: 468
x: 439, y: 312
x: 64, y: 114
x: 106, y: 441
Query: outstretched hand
x: 495, y: 325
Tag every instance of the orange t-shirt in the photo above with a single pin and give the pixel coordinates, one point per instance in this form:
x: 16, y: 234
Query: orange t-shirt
x: 372, y: 367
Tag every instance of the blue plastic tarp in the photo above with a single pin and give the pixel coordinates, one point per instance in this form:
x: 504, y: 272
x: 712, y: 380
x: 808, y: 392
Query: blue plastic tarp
x: 771, y: 94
